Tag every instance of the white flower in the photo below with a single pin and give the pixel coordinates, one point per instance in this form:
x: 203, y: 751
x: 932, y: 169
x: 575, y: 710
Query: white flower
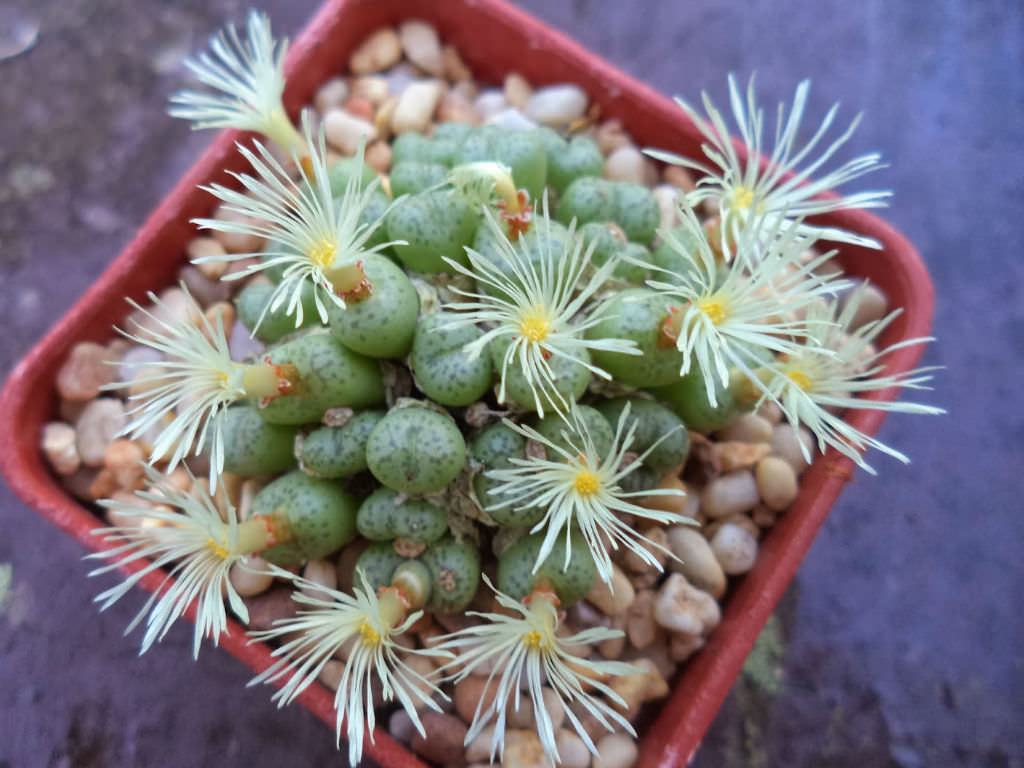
x: 738, y: 309
x: 330, y: 622
x: 521, y: 648
x: 817, y: 380
x: 194, y: 544
x: 319, y: 240
x: 247, y: 79
x: 193, y: 387
x: 742, y: 187
x: 577, y: 486
x: 533, y: 307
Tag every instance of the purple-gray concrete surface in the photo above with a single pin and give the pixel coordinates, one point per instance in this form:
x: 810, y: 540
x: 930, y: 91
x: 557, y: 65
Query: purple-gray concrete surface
x: 901, y: 642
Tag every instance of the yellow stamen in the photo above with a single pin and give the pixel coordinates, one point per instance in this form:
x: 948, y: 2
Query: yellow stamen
x: 322, y: 253
x: 714, y: 309
x: 368, y: 635
x: 800, y: 378
x: 534, y: 325
x: 586, y: 483
x: 218, y: 549
x: 533, y: 640
x: 743, y: 198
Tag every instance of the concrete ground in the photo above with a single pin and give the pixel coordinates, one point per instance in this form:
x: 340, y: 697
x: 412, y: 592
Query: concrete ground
x: 901, y: 642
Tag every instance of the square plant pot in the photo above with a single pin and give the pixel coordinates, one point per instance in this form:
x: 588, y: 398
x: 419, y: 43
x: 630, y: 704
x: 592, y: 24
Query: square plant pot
x: 492, y: 37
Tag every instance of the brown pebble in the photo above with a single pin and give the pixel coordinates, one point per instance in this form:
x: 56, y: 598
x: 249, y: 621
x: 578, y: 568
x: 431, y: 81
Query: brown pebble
x: 269, y: 607
x: 678, y: 176
x: 379, y: 51
x: 443, y: 744
x: 124, y: 459
x: 468, y: 694
x: 84, y: 372
x: 378, y: 156
x: 454, y: 67
x: 58, y: 444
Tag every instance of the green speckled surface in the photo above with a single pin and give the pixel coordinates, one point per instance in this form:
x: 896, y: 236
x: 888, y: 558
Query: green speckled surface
x: 455, y: 574
x: 382, y: 518
x: 443, y: 368
x: 335, y: 452
x: 415, y: 450
x: 253, y: 446
x: 382, y: 324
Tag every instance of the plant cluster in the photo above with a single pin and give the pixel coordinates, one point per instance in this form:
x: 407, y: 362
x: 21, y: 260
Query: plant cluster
x: 558, y: 363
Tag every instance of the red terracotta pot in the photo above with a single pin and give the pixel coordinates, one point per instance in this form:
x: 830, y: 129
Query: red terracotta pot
x: 494, y: 38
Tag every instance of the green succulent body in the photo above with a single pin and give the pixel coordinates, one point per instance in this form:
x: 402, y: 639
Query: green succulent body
x: 384, y: 516
x: 522, y: 151
x: 252, y: 305
x: 632, y: 206
x: 569, y: 159
x: 517, y: 578
x: 331, y: 375
x: 416, y: 450
x: 334, y: 452
x: 319, y: 516
x: 569, y: 376
x: 378, y: 563
x: 687, y: 396
x: 636, y: 314
x: 381, y: 324
x: 596, y: 425
x: 454, y: 568
x: 435, y: 225
x: 439, y: 149
x: 444, y: 369
x: 411, y: 176
x: 253, y: 446
x: 654, y: 422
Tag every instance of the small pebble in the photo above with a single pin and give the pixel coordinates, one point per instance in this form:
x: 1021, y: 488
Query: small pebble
x: 84, y: 371
x: 271, y: 606
x: 422, y: 46
x: 455, y: 107
x: 400, y: 726
x: 770, y: 412
x: 695, y: 560
x: 331, y: 95
x: 681, y: 646
x: 615, y: 598
x: 524, y: 750
x: 572, y: 749
x: 97, y: 427
x: 367, y: 92
x: 344, y: 130
x: 677, y: 503
x: 479, y: 749
x: 611, y: 135
x: 613, y: 647
x: 729, y: 493
x: 776, y: 480
x: 615, y: 751
x: 443, y: 744
x: 454, y: 67
x: 241, y: 344
x: 319, y: 571
x: 468, y: 694
x: 625, y: 163
x: 681, y: 607
x: 679, y: 177
x: 124, y: 459
x: 380, y: 51
x: 735, y: 548
x: 204, y: 247
x: 786, y: 444
x: 59, y: 447
x: 490, y: 103
x: 250, y: 576
x: 557, y: 105
x: 512, y: 120
x: 873, y: 306
x: 640, y: 625
x: 631, y: 561
x: 732, y: 455
x: 378, y: 156
x: 399, y: 78
x: 203, y: 289
x: 517, y: 90
x: 668, y: 206
x: 236, y: 242
x: 416, y: 106
x: 748, y: 428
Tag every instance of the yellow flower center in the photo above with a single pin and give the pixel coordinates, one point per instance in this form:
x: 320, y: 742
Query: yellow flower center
x: 743, y: 198
x: 714, y: 309
x: 534, y: 325
x: 218, y: 548
x: 799, y: 378
x: 368, y: 635
x: 322, y: 253
x: 586, y: 483
x: 533, y: 640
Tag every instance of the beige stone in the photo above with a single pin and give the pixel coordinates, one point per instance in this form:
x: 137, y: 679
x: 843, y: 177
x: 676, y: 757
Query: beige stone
x: 381, y: 50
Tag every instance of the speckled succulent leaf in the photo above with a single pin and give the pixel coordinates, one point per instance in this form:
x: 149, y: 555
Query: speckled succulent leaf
x: 317, y: 633
x: 742, y: 188
x: 192, y: 541
x: 519, y: 646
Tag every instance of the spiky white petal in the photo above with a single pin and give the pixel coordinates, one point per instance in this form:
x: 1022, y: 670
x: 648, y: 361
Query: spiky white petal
x: 193, y: 387
x: 519, y: 649
x: 742, y: 187
x: 739, y: 308
x: 246, y: 78
x: 313, y: 234
x: 534, y: 307
x: 579, y: 487
x: 319, y: 631
x: 827, y: 376
x: 190, y: 540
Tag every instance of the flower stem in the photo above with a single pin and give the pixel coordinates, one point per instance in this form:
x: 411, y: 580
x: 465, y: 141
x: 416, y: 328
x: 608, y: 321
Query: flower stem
x: 412, y: 580
x: 261, y: 532
x: 350, y: 281
x: 670, y: 328
x: 267, y: 380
